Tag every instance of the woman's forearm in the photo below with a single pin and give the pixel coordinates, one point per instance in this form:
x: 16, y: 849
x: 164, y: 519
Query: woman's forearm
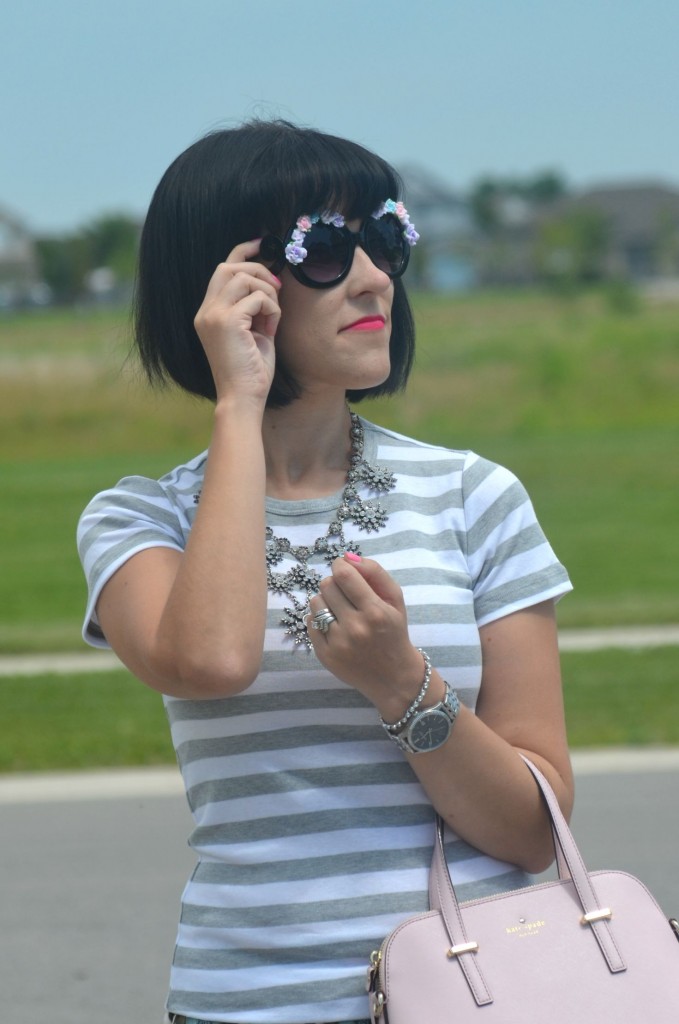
x: 478, y: 783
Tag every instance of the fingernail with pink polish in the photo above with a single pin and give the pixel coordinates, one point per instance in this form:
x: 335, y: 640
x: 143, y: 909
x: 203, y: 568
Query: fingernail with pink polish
x: 352, y: 557
x: 277, y: 279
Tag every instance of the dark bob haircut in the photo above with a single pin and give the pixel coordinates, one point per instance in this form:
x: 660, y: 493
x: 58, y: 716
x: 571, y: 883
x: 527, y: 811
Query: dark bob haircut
x: 231, y: 186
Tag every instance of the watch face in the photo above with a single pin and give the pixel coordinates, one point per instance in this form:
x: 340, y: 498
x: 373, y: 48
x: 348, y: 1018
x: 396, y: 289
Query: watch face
x: 430, y: 730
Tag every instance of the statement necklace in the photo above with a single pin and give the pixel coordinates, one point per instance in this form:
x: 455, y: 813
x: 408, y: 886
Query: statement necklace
x: 302, y: 579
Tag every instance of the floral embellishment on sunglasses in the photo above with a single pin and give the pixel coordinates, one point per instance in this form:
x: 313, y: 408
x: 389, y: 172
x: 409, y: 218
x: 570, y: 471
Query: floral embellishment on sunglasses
x: 398, y: 209
x: 295, y: 252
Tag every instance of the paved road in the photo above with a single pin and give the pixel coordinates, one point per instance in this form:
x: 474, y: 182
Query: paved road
x: 93, y: 866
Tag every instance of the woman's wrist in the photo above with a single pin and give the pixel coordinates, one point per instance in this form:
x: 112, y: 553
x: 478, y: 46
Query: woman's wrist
x: 411, y: 694
x: 417, y: 701
x: 242, y: 407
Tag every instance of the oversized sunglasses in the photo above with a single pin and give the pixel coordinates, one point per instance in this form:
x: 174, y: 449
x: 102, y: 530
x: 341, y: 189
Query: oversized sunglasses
x: 320, y: 249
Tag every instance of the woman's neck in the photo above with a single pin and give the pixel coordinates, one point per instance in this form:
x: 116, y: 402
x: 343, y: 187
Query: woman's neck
x: 307, y: 448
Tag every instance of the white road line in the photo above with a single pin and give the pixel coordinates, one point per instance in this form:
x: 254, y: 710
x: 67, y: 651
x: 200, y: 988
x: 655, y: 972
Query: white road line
x: 631, y: 637
x: 69, y: 787
x: 625, y: 760
x: 58, y: 664
x: 150, y: 783
x: 626, y: 638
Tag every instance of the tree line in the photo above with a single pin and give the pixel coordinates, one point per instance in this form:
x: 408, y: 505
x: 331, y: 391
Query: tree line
x: 67, y: 263
x: 568, y: 245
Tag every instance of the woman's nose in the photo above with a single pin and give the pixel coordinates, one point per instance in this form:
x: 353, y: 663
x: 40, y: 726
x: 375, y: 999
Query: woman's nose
x: 365, y: 274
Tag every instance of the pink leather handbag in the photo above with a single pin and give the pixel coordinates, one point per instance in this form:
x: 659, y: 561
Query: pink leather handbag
x: 583, y: 949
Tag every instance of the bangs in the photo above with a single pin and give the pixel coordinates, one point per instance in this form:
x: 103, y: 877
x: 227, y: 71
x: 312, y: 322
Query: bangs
x: 306, y: 172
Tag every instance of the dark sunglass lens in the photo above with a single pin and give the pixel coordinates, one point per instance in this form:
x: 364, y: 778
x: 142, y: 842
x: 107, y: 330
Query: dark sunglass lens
x: 327, y: 254
x: 386, y: 244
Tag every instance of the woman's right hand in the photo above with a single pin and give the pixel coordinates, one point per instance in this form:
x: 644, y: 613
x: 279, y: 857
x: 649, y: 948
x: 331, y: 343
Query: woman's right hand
x: 237, y: 323
x: 191, y: 624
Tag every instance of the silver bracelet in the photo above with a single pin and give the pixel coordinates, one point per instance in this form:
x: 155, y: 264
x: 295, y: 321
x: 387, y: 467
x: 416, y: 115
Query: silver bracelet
x: 412, y: 708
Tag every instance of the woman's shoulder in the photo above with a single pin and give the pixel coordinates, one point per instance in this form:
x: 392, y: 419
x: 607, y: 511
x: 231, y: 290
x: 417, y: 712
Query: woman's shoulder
x: 390, y: 445
x: 178, y: 489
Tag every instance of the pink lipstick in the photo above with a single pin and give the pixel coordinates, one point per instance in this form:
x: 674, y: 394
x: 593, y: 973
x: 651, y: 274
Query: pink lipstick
x: 366, y: 323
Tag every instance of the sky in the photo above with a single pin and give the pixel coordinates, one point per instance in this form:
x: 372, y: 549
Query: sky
x: 98, y: 97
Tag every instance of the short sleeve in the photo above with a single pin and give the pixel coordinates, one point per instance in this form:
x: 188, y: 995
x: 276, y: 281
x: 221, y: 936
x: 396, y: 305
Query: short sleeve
x: 118, y: 523
x: 511, y: 563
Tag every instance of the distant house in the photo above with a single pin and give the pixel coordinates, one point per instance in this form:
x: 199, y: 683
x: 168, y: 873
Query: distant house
x: 442, y: 261
x: 506, y: 256
x: 18, y: 263
x: 641, y: 227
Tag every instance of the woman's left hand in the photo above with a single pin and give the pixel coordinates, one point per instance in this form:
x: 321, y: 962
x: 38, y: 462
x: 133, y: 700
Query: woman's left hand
x: 493, y: 802
x: 368, y: 646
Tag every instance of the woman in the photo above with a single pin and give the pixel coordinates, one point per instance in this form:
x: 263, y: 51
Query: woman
x: 351, y: 629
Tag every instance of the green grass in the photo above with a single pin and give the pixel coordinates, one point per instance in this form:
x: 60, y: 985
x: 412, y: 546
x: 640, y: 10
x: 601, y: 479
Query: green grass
x: 108, y: 719
x: 622, y: 698
x: 103, y: 720
x: 579, y: 400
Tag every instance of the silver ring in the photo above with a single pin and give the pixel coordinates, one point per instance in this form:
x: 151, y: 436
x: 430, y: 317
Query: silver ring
x: 323, y: 619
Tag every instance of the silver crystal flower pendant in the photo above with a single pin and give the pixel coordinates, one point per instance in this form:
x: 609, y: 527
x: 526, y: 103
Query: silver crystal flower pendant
x: 295, y: 626
x: 368, y: 516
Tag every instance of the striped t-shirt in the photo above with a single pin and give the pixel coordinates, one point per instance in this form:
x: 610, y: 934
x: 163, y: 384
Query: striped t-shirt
x: 312, y: 833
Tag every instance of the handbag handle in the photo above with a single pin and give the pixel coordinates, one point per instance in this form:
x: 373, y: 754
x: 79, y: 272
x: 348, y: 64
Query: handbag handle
x: 442, y: 896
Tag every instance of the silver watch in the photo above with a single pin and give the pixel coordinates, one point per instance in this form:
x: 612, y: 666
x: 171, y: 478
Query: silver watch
x: 429, y: 728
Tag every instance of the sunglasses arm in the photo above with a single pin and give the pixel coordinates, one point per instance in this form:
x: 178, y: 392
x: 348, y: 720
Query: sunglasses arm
x: 272, y: 254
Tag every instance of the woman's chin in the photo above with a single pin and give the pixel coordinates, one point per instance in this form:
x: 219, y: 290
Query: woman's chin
x: 370, y: 376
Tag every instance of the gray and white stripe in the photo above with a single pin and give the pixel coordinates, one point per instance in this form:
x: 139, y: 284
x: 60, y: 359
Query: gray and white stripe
x: 312, y: 833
